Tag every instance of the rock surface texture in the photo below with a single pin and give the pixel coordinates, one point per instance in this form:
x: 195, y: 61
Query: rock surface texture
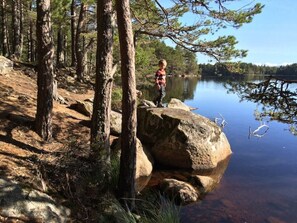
x: 30, y: 205
x: 6, y: 65
x: 178, y: 104
x: 86, y: 108
x: 181, y: 192
x: 182, y: 139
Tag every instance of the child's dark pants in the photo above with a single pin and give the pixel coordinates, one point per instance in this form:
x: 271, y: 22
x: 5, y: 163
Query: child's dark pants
x: 161, y: 95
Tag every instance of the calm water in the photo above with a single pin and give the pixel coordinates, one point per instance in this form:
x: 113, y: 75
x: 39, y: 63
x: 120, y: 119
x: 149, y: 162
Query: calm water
x: 260, y: 183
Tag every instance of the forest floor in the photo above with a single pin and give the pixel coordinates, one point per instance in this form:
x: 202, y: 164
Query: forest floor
x: 24, y: 157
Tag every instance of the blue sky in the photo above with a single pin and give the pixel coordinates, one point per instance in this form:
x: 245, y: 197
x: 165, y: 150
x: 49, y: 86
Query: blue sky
x: 271, y: 38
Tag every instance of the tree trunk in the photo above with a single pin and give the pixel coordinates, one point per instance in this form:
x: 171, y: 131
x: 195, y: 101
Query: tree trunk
x: 65, y: 49
x: 16, y: 20
x: 29, y: 35
x: 73, y: 53
x: 129, y: 119
x: 100, y: 127
x: 43, y: 121
x: 32, y: 43
x: 79, y: 46
x: 4, y: 29
x: 60, y: 52
x: 21, y: 27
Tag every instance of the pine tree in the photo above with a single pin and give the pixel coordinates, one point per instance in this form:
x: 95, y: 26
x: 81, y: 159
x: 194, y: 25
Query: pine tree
x: 43, y: 119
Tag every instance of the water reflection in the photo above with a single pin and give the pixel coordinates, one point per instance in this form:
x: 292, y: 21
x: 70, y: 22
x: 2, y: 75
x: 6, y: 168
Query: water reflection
x: 277, y: 97
x: 260, y: 183
x: 181, y: 88
x: 203, y: 181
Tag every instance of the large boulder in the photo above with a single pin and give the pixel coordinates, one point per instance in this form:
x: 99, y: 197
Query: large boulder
x: 144, y: 163
x: 86, y: 108
x: 18, y: 202
x: 182, y: 139
x: 6, y: 65
x: 83, y: 107
x: 115, y: 123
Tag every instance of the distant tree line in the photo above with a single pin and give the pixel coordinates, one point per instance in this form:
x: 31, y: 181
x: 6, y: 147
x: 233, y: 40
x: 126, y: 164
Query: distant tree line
x: 238, y: 68
x: 180, y: 61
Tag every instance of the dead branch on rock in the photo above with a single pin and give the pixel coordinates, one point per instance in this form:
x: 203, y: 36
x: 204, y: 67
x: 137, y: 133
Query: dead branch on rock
x: 257, y: 132
x: 221, y: 122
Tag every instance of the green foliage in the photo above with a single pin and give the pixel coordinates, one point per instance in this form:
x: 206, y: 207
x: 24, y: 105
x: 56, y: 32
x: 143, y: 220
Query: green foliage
x: 152, y: 208
x: 153, y: 19
x: 60, y: 9
x: 288, y: 70
x: 157, y: 209
x: 150, y: 51
x: 116, y: 98
x: 239, y: 68
x: 114, y: 171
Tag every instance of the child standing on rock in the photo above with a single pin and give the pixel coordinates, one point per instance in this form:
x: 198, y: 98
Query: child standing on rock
x: 160, y: 81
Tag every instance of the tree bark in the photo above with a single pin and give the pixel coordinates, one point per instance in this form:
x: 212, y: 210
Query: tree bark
x: 16, y: 20
x: 129, y: 120
x: 30, y: 35
x: 65, y: 53
x: 73, y: 54
x: 21, y: 6
x: 32, y: 42
x: 60, y: 46
x: 100, y: 127
x: 43, y: 119
x: 79, y: 47
x: 4, y: 29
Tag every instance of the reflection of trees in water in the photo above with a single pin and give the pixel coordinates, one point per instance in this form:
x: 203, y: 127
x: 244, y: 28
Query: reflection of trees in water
x: 278, y: 97
x: 181, y: 88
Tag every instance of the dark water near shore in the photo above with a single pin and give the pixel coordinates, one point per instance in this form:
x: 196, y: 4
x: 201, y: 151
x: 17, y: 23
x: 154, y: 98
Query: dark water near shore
x: 260, y: 183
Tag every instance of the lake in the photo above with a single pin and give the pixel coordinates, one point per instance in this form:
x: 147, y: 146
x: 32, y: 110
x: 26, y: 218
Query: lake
x: 260, y: 183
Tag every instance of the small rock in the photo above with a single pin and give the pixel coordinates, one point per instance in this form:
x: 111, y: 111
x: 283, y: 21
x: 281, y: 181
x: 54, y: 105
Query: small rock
x: 147, y: 103
x: 204, y: 183
x: 181, y: 192
x: 178, y: 104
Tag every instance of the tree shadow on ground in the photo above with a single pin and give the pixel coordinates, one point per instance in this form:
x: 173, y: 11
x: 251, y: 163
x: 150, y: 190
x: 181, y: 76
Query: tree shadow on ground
x: 14, y: 121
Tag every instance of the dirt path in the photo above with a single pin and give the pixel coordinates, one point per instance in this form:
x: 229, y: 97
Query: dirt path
x: 21, y: 149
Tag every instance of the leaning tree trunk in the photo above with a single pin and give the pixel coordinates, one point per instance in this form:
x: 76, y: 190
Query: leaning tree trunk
x: 43, y: 120
x: 16, y: 20
x: 100, y: 127
x: 128, y: 142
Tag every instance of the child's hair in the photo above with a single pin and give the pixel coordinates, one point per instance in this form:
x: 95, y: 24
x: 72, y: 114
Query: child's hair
x: 162, y: 62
